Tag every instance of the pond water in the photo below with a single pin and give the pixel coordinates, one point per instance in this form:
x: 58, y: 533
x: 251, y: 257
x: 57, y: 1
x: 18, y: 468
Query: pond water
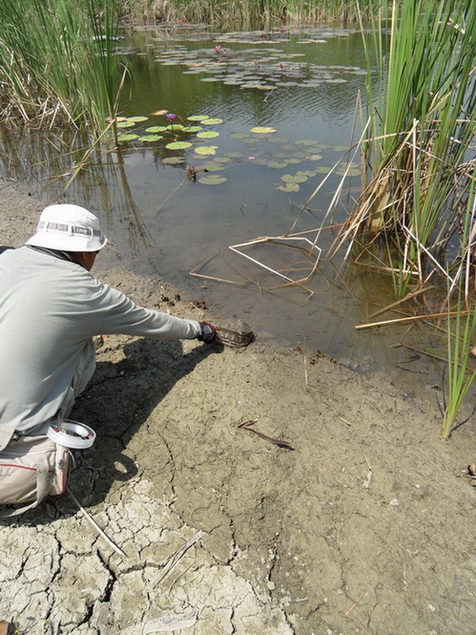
x: 267, y: 117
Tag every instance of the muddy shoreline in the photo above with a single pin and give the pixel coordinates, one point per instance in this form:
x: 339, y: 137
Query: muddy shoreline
x: 366, y: 526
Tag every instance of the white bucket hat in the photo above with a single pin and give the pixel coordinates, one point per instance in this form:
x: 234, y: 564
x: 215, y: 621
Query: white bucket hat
x: 68, y: 228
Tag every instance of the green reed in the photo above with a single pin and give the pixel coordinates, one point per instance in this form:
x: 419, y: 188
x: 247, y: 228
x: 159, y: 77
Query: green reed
x: 422, y: 114
x: 461, y: 325
x: 57, y: 62
x: 461, y: 377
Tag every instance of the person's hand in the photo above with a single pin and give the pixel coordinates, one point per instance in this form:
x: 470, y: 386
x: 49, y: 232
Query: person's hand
x: 208, y: 334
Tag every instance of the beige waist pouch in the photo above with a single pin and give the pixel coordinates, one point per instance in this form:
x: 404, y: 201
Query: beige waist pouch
x: 32, y: 467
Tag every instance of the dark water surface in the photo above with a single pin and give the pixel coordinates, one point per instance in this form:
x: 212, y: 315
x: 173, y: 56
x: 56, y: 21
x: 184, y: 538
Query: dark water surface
x: 304, y: 85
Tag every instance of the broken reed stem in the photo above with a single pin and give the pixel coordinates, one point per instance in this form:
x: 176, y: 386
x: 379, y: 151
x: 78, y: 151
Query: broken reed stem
x: 408, y: 319
x: 409, y: 296
x: 420, y: 351
x: 102, y: 533
x: 315, y: 229
x: 169, y: 196
x: 196, y: 272
x: 175, y: 557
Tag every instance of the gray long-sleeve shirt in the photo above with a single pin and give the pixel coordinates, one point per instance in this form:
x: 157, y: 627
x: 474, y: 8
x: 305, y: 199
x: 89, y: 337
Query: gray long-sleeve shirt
x: 49, y: 311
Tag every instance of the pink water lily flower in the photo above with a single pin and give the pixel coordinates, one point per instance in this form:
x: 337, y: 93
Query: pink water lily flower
x: 170, y: 116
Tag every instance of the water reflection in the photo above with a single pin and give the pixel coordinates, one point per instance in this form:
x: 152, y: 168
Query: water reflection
x: 153, y: 83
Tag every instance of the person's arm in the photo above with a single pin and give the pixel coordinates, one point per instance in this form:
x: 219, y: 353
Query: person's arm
x: 122, y: 316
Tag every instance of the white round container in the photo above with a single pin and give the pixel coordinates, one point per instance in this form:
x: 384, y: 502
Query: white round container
x: 72, y: 434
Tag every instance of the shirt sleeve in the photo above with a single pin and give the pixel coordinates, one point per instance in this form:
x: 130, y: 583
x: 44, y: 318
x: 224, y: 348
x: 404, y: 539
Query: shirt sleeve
x: 120, y: 315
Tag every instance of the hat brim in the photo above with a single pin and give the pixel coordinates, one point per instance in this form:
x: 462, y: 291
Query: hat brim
x: 51, y: 240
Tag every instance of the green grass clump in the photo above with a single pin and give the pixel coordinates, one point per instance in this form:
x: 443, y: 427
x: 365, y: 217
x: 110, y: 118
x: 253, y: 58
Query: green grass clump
x: 57, y: 62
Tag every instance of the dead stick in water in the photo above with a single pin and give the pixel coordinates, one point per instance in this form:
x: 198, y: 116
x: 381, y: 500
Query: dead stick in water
x: 409, y: 296
x: 419, y: 351
x: 409, y: 319
x: 169, y: 196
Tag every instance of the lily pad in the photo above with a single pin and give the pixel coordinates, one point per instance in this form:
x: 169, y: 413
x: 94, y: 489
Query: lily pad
x: 138, y: 119
x: 197, y: 117
x: 211, y: 122
x: 212, y: 179
x: 213, y: 166
x: 294, y: 178
x: 192, y: 129
x: 262, y: 130
x: 178, y: 145
x: 342, y: 171
x: 289, y: 187
x: 306, y: 142
x: 277, y: 164
x: 258, y: 160
x: 289, y: 147
x: 153, y: 129
x: 151, y: 137
x: 207, y: 134
x: 205, y: 150
x: 127, y: 137
x: 175, y: 127
x: 127, y: 123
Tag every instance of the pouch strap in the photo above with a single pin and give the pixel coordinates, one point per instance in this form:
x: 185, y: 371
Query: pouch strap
x: 43, y: 478
x: 6, y: 434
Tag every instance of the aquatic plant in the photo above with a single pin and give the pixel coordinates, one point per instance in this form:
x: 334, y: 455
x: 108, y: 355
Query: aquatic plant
x: 417, y: 202
x: 461, y: 328
x: 417, y: 158
x: 460, y: 377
